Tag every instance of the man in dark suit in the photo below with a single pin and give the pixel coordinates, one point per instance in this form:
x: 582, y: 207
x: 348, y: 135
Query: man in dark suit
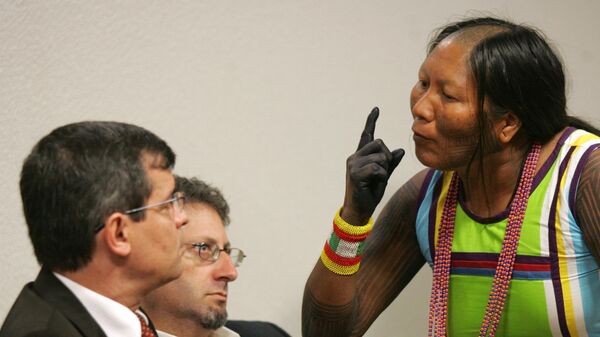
x: 104, y: 219
x: 195, y: 304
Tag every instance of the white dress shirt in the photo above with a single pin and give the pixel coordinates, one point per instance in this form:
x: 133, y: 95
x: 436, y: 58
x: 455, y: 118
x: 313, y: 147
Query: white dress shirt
x: 220, y: 332
x: 115, y: 319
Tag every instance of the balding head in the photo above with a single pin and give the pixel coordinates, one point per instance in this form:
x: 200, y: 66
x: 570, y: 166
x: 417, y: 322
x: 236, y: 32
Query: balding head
x: 470, y: 32
x: 515, y: 70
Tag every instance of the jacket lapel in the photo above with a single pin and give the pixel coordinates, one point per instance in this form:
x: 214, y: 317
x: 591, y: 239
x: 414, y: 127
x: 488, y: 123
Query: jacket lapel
x: 57, y: 294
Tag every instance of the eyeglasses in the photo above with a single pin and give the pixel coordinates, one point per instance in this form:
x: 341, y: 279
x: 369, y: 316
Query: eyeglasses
x: 211, y: 252
x: 177, y: 202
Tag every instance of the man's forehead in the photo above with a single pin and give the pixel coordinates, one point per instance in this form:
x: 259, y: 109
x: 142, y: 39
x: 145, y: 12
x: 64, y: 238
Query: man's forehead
x: 204, y: 224
x: 162, y: 182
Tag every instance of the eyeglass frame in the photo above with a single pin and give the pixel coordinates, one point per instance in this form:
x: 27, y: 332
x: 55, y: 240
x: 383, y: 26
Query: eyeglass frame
x: 175, y: 200
x: 216, y: 253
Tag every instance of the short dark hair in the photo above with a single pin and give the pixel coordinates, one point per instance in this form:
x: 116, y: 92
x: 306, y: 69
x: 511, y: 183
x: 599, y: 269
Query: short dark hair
x: 515, y: 69
x: 197, y: 191
x: 79, y: 174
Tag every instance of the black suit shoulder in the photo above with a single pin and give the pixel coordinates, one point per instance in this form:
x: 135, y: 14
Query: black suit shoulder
x: 46, y: 308
x: 256, y: 329
x: 31, y: 316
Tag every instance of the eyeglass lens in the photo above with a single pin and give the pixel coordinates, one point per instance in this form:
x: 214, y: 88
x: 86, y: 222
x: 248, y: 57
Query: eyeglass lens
x: 178, y: 202
x: 213, y: 252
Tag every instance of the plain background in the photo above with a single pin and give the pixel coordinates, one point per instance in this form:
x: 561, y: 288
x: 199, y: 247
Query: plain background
x: 264, y: 99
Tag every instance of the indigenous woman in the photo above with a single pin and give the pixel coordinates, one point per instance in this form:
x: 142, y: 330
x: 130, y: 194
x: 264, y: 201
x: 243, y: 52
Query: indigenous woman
x: 507, y: 215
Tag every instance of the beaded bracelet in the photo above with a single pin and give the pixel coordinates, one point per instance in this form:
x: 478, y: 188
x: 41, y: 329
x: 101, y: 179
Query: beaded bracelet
x: 343, y: 251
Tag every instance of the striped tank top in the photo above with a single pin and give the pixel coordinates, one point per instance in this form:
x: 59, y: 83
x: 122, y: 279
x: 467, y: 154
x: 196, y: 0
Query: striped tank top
x: 555, y: 286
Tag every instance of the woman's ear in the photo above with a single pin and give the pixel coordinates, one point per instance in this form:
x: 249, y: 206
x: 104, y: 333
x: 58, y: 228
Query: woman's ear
x: 507, y: 127
x: 116, y: 234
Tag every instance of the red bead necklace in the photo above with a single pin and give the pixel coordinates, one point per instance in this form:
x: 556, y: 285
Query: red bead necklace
x: 438, y: 304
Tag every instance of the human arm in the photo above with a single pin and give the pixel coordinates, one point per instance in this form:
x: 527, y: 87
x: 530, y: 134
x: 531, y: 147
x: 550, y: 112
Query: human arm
x: 588, y: 203
x: 336, y: 305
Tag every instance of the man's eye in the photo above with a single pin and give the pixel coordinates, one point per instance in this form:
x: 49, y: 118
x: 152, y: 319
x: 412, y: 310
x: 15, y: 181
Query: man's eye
x: 204, y: 247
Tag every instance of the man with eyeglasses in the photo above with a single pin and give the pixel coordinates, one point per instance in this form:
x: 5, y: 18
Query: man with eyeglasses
x: 104, y: 219
x: 195, y: 304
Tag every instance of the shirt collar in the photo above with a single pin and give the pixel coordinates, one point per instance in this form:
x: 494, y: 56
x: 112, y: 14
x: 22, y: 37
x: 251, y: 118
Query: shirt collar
x: 114, y: 318
x: 225, y: 332
x: 220, y: 332
x: 163, y: 334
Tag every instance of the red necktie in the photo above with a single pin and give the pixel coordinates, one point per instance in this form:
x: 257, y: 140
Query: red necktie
x: 146, y: 331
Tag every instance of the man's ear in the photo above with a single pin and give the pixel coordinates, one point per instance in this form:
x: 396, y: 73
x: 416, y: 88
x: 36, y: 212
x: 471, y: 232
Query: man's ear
x: 507, y: 127
x: 116, y: 234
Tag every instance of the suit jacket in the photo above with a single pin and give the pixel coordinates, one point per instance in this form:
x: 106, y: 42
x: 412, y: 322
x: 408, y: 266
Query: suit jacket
x: 46, y: 308
x: 256, y: 329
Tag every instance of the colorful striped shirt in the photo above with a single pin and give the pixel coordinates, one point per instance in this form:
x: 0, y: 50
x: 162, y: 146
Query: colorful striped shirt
x: 555, y: 286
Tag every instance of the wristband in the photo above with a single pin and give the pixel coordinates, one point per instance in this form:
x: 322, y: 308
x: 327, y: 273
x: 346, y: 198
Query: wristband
x: 350, y: 229
x: 343, y: 251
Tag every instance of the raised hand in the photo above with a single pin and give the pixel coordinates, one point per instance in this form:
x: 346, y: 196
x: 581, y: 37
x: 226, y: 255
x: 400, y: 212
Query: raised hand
x: 367, y: 174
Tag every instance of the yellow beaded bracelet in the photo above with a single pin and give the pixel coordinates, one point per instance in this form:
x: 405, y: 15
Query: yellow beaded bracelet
x: 350, y: 229
x: 336, y: 268
x: 346, y: 267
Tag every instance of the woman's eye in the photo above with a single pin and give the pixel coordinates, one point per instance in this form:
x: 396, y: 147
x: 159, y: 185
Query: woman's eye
x: 423, y: 84
x: 448, y: 97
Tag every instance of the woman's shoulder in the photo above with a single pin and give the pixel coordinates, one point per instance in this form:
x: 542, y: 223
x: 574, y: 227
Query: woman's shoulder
x: 413, y: 190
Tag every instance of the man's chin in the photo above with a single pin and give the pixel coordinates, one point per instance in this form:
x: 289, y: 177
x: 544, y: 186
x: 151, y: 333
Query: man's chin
x: 214, y: 318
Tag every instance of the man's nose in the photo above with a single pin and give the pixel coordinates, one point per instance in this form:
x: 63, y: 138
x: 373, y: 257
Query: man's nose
x: 226, y: 268
x: 181, y: 218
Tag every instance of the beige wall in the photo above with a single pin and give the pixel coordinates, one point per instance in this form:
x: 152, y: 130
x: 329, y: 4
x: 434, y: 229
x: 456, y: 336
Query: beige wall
x: 264, y: 99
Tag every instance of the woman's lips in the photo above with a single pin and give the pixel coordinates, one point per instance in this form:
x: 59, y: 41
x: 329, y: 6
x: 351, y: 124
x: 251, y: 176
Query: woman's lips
x: 419, y: 136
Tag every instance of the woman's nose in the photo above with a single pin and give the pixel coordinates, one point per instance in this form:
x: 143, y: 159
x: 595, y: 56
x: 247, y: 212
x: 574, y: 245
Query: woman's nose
x: 422, y: 106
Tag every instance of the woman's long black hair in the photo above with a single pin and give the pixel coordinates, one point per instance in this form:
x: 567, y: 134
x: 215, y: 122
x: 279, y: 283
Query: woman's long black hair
x: 514, y: 70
